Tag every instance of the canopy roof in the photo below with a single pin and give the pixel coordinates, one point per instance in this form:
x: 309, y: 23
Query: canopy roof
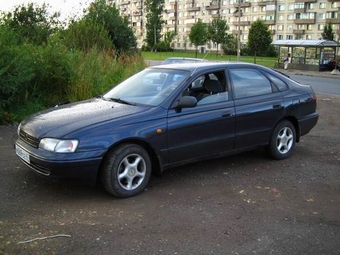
x: 320, y: 43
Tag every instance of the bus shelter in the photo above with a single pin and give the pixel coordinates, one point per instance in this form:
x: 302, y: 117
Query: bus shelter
x: 313, y: 55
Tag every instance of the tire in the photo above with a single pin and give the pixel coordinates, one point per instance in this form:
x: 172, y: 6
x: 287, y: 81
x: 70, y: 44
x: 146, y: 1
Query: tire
x: 126, y: 170
x: 283, y: 140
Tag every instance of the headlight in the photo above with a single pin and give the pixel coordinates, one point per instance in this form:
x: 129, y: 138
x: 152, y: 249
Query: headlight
x: 60, y: 146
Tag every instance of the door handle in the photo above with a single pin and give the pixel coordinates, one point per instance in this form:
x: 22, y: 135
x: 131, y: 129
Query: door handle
x: 277, y: 106
x: 227, y: 114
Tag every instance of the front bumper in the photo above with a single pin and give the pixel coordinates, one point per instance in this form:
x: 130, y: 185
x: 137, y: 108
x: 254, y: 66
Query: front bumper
x: 83, y: 166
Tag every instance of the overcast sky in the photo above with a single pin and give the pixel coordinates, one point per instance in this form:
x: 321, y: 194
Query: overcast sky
x: 67, y: 8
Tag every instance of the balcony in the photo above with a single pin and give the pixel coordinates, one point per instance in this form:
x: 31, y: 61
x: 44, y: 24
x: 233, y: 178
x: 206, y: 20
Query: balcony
x: 137, y: 13
x: 300, y: 10
x: 235, y: 32
x: 193, y: 9
x: 304, y: 21
x: 269, y: 22
x: 246, y: 4
x: 242, y: 23
x: 305, y: 1
x: 270, y: 11
x: 236, y: 14
x: 333, y: 21
x: 299, y: 31
x: 212, y: 7
x: 264, y: 3
x: 125, y: 3
x: 215, y: 16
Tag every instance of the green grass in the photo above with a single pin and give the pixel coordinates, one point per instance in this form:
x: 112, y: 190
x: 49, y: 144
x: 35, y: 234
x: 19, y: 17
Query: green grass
x: 265, y: 61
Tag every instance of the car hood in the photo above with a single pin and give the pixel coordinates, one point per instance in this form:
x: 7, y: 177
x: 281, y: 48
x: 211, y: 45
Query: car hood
x: 59, y: 121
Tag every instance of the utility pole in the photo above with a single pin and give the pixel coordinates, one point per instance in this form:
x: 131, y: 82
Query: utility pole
x: 239, y: 32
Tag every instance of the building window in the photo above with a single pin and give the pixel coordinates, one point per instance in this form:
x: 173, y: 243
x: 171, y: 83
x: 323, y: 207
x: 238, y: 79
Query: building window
x: 280, y: 27
x: 309, y: 37
x: 321, y: 27
x: 254, y: 9
x: 321, y: 16
x: 310, y: 6
x: 299, y: 5
x: 322, y: 5
x: 282, y: 7
x: 290, y: 27
x: 279, y: 37
x: 290, y: 16
x: 309, y: 27
x: 335, y: 5
x: 289, y: 37
x: 291, y: 7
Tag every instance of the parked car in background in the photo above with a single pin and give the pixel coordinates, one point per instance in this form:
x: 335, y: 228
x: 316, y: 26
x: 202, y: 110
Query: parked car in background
x: 173, y: 60
x: 165, y: 116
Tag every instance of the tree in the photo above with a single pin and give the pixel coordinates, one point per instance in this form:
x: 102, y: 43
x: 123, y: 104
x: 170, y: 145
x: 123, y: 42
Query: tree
x: 217, y: 32
x: 328, y: 33
x: 107, y: 15
x: 154, y: 11
x: 198, y: 34
x: 230, y: 45
x: 32, y: 22
x: 259, y: 38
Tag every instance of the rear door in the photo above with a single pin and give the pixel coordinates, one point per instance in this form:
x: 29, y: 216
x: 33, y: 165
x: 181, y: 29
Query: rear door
x: 258, y: 105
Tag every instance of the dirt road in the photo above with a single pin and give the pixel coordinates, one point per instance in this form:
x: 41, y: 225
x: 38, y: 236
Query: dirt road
x: 244, y: 204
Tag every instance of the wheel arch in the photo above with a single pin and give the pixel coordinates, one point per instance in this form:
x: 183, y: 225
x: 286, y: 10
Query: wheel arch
x: 295, y: 123
x: 156, y: 165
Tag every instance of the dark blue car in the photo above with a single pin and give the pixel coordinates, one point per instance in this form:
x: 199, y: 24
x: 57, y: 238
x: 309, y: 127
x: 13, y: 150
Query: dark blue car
x: 165, y: 116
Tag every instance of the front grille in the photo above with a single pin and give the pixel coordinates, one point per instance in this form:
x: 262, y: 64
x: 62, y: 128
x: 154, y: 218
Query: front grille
x: 34, y: 142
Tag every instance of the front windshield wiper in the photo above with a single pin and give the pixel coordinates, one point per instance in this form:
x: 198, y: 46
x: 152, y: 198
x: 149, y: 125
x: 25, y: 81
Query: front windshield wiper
x: 118, y: 100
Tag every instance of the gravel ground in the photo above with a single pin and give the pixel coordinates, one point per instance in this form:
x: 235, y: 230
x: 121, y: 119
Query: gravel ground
x: 243, y: 204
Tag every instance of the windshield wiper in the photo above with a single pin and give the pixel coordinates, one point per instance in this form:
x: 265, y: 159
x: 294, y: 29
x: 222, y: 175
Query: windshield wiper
x: 118, y: 100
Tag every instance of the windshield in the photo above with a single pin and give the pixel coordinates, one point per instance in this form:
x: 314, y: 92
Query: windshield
x: 148, y: 87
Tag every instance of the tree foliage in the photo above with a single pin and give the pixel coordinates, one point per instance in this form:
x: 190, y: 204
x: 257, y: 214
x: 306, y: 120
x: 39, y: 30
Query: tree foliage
x: 230, y: 45
x: 154, y: 11
x: 259, y: 38
x: 198, y: 34
x: 107, y: 15
x: 32, y: 22
x: 328, y: 33
x: 217, y: 32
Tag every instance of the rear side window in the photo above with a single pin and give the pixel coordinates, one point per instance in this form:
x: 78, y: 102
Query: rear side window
x: 281, y: 85
x: 249, y: 82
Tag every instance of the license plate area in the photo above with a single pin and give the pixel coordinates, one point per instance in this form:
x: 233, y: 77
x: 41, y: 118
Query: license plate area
x: 22, y: 154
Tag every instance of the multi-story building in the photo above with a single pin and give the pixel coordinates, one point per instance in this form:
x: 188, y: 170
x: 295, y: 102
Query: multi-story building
x: 287, y: 19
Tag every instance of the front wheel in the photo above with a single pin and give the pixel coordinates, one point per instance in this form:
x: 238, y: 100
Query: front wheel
x: 126, y: 170
x: 283, y: 140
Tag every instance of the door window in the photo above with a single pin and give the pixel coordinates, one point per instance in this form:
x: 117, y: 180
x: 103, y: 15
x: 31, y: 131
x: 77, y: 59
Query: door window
x: 249, y: 82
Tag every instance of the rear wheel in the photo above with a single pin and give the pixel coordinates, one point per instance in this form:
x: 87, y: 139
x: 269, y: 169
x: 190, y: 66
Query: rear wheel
x: 126, y: 170
x: 283, y: 140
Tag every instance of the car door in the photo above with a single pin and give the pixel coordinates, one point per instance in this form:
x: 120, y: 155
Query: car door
x: 258, y: 106
x: 205, y: 130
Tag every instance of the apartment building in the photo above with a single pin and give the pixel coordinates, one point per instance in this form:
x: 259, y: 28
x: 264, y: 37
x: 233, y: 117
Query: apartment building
x: 286, y: 19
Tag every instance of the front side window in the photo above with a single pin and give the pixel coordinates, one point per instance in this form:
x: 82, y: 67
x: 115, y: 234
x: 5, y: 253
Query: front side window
x: 208, y: 88
x: 249, y: 83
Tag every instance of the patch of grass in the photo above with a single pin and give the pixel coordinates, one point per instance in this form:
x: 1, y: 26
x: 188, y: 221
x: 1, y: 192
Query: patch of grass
x: 265, y: 61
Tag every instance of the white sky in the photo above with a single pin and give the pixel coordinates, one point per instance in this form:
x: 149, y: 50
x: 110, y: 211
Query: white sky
x: 67, y: 8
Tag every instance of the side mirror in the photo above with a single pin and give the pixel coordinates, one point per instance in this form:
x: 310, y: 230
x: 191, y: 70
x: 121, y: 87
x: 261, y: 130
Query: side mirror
x: 187, y: 102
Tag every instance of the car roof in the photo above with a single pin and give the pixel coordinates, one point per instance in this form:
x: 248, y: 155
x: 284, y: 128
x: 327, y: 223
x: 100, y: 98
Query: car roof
x: 202, y: 66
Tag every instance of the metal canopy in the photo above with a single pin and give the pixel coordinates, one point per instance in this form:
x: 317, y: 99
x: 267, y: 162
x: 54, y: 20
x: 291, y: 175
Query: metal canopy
x: 316, y: 43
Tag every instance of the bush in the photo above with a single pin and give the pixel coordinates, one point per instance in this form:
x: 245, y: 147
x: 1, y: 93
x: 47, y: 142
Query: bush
x: 16, y: 71
x: 85, y: 35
